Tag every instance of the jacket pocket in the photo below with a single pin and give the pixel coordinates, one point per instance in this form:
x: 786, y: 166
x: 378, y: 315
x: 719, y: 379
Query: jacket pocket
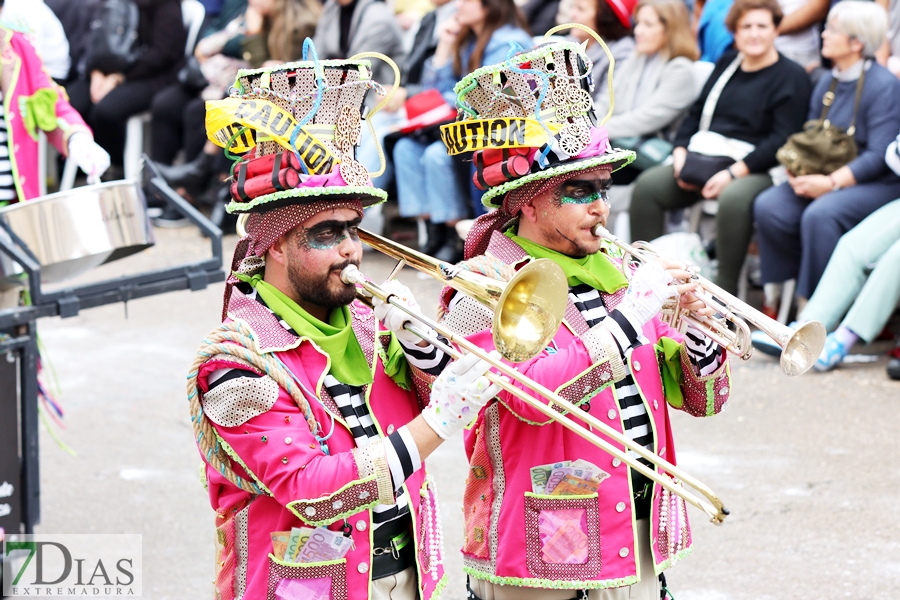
x: 326, y: 579
x: 562, y: 536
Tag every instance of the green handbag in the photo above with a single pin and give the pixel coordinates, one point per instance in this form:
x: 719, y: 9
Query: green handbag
x: 822, y: 148
x: 649, y: 152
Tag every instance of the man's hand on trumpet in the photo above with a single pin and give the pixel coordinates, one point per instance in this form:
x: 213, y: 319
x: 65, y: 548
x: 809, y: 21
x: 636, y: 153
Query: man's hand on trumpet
x: 654, y: 283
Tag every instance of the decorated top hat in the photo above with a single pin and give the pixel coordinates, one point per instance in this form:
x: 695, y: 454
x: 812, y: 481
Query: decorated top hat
x: 293, y: 130
x: 531, y: 117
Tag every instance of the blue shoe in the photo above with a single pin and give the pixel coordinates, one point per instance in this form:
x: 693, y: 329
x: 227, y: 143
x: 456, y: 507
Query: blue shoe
x: 765, y: 344
x: 832, y: 354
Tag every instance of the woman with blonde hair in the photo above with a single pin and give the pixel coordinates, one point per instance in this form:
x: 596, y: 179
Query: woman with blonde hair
x: 655, y: 84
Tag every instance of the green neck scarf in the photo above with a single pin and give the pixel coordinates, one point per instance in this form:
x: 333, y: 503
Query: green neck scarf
x: 595, y: 269
x: 335, y: 338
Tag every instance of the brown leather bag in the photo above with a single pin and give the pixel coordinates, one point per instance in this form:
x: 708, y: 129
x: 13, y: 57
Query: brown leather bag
x: 822, y: 148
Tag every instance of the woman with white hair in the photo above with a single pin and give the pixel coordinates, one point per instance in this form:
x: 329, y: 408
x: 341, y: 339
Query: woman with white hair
x: 800, y: 222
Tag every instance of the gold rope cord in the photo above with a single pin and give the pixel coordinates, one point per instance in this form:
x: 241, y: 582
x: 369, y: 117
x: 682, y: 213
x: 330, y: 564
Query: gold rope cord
x: 235, y: 339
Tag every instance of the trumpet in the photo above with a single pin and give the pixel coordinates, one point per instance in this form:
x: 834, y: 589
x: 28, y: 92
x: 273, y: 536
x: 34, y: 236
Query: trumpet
x: 729, y: 327
x: 512, y: 306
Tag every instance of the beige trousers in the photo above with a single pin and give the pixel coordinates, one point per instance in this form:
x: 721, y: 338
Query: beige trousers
x: 646, y: 589
x: 402, y: 586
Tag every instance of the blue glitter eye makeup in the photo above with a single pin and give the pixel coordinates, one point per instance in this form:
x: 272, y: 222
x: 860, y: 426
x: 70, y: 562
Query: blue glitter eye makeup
x: 329, y: 234
x: 590, y: 198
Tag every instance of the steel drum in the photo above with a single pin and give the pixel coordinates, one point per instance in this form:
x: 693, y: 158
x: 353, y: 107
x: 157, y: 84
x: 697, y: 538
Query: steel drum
x: 74, y: 231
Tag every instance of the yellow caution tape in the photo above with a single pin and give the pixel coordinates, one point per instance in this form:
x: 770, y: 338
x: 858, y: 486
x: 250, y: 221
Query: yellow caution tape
x: 481, y: 134
x: 225, y: 118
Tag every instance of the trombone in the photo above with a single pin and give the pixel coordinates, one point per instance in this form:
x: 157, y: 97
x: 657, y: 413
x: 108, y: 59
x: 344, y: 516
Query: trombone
x: 799, y: 347
x: 524, y: 298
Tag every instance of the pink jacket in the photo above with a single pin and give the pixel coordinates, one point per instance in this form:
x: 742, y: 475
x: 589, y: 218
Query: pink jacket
x: 270, y: 443
x: 506, y: 525
x: 26, y: 86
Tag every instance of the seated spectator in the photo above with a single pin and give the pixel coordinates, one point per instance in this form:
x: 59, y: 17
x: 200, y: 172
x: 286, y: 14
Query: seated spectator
x: 861, y: 277
x: 76, y: 19
x: 268, y: 31
x: 47, y: 33
x: 349, y: 27
x: 427, y: 185
x: 541, y: 15
x: 611, y: 19
x: 889, y: 54
x: 655, y: 84
x: 28, y: 89
x: 107, y: 98
x: 391, y: 117
x: 800, y: 222
x: 763, y: 100
x: 713, y: 36
x: 798, y: 34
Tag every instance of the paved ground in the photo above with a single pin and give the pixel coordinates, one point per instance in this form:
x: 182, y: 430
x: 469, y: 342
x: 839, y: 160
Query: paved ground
x: 808, y: 466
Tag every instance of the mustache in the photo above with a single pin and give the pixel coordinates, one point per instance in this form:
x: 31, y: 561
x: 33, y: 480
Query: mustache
x: 340, y: 266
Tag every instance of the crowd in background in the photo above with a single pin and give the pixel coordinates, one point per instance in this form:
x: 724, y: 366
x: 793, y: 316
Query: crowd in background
x: 707, y: 93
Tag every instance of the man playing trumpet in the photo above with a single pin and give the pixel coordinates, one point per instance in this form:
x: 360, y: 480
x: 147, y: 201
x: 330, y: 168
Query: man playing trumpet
x: 547, y: 514
x: 313, y: 423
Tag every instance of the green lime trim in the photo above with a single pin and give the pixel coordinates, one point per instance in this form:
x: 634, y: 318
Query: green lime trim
x: 671, y: 561
x: 552, y: 584
x: 441, y: 584
x: 301, y: 193
x: 234, y: 456
x: 518, y: 59
x: 324, y: 563
x: 303, y: 64
x: 357, y: 509
x: 625, y: 156
x: 523, y: 419
x: 591, y: 392
x: 559, y: 497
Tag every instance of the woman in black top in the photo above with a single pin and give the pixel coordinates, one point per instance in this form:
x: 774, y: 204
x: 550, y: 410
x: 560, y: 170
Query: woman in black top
x: 107, y: 98
x: 762, y: 103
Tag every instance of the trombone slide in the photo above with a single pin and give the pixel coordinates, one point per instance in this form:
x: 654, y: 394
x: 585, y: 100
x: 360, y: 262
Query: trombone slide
x: 712, y: 506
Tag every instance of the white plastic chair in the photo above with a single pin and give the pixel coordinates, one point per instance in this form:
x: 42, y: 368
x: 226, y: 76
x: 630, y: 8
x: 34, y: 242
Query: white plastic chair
x: 192, y: 15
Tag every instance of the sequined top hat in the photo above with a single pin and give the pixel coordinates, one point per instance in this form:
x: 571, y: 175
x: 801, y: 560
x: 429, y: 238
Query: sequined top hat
x: 293, y: 129
x: 532, y: 117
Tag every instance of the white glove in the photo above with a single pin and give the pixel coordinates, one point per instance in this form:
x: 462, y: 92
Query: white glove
x: 90, y: 157
x: 458, y: 394
x: 648, y: 291
x: 392, y: 317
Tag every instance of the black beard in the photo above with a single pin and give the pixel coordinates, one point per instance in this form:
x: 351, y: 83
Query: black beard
x: 315, y: 290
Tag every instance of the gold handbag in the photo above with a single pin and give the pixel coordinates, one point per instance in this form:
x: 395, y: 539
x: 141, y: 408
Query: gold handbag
x: 822, y: 148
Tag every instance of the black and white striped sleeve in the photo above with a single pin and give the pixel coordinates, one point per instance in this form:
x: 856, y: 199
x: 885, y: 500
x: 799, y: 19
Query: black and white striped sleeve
x: 430, y: 359
x: 402, y: 455
x: 220, y: 376
x: 705, y: 354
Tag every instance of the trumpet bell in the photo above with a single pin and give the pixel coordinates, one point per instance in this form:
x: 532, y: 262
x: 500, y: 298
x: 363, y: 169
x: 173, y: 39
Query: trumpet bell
x: 802, y: 347
x: 526, y: 315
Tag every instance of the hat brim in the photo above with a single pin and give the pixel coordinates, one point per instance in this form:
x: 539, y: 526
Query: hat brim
x: 369, y: 196
x: 618, y: 158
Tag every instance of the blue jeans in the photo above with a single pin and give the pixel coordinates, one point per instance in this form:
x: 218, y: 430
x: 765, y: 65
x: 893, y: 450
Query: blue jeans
x: 427, y: 182
x: 367, y: 153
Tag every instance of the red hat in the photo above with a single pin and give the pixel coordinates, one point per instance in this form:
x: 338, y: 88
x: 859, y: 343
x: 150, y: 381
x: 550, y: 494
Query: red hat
x: 425, y: 109
x: 623, y: 10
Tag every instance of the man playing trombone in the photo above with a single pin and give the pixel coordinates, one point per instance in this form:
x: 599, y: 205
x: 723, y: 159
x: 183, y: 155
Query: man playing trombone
x: 547, y: 514
x: 312, y: 422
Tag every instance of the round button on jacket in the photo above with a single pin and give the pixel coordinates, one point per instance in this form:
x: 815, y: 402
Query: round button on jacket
x: 620, y: 507
x: 623, y: 552
x: 363, y: 567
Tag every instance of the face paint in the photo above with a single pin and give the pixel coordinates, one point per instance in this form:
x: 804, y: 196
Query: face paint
x: 328, y: 234
x: 588, y: 199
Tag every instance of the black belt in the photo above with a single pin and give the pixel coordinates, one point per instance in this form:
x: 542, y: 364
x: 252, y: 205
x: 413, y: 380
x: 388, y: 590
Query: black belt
x: 393, y: 548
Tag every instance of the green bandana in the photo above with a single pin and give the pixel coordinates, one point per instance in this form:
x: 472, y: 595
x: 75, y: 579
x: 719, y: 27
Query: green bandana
x: 335, y: 338
x: 595, y: 270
